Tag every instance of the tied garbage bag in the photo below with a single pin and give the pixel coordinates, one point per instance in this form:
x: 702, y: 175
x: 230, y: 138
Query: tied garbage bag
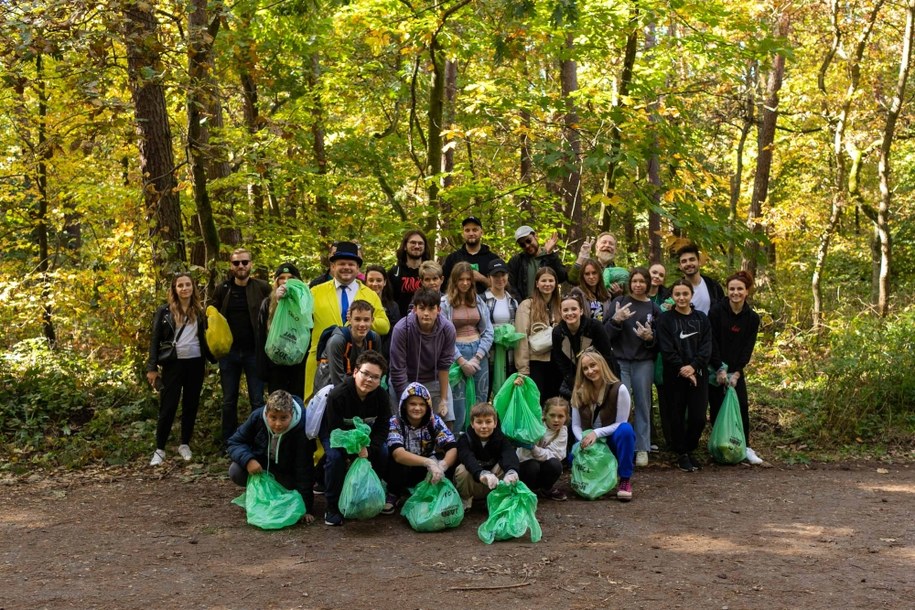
x: 593, y: 469
x: 512, y: 511
x: 518, y: 408
x: 505, y: 338
x: 290, y: 330
x: 433, y: 507
x: 727, y: 442
x: 269, y: 505
x: 362, y: 496
x: 218, y: 335
x: 455, y: 377
x: 616, y: 275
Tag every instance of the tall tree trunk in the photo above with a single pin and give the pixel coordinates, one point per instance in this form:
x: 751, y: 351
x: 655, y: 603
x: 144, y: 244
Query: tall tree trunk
x: 655, y: 255
x: 748, y: 114
x: 571, y: 183
x: 157, y: 161
x: 41, y: 219
x: 434, y: 132
x: 765, y: 148
x: 201, y: 94
x: 322, y: 203
x: 527, y: 165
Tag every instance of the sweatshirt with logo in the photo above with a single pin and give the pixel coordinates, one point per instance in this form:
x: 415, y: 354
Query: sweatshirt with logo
x: 685, y: 339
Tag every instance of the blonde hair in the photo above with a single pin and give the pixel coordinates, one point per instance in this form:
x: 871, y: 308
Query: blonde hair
x: 588, y: 393
x: 430, y: 268
x: 556, y: 401
x: 280, y: 401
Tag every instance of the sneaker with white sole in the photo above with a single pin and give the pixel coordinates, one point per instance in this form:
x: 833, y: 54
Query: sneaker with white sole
x: 641, y: 458
x: 185, y: 452
x: 753, y: 458
x: 157, y: 458
x: 624, y: 490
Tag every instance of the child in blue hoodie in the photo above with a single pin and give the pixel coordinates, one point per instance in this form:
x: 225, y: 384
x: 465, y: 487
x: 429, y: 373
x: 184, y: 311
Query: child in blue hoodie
x: 273, y: 440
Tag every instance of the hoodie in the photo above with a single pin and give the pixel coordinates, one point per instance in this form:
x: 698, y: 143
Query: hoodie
x: 733, y: 335
x: 479, y: 261
x: 478, y: 458
x: 419, y: 356
x: 286, y: 453
x: 431, y: 437
x: 685, y: 339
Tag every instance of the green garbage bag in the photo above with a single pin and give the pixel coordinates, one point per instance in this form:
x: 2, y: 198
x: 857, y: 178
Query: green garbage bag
x: 362, y: 496
x: 593, y: 469
x: 269, y: 505
x: 505, y: 338
x: 290, y: 330
x: 616, y: 275
x: 659, y: 371
x: 455, y: 378
x: 518, y: 408
x: 433, y: 507
x: 512, y: 511
x: 727, y: 442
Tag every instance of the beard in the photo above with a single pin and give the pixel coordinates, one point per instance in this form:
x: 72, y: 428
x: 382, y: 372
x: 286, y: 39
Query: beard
x: 605, y: 258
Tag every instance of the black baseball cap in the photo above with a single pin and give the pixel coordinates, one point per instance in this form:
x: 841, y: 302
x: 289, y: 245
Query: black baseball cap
x: 497, y: 266
x: 472, y: 219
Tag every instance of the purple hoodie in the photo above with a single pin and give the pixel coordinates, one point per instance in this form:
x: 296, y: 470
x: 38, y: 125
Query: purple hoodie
x: 418, y: 356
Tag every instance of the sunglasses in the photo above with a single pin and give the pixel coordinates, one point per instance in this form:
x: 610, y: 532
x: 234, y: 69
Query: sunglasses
x: 526, y: 241
x: 241, y: 263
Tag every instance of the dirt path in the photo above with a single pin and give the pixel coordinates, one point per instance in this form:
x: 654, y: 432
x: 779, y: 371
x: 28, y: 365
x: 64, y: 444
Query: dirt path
x: 728, y: 537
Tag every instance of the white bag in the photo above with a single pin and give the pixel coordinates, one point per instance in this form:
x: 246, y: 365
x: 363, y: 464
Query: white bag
x: 314, y: 414
x: 540, y: 338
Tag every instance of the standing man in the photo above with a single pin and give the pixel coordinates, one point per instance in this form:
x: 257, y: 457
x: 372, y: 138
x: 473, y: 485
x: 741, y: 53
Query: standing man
x: 333, y: 298
x: 239, y: 299
x: 474, y: 251
x: 706, y: 291
x: 604, y: 252
x: 404, y: 276
x: 524, y: 265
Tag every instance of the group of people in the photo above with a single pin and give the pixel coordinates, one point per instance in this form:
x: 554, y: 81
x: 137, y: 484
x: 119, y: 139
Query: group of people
x: 404, y: 348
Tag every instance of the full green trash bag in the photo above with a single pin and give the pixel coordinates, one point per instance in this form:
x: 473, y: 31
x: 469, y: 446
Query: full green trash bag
x: 593, y: 469
x: 269, y: 505
x: 290, y: 330
x: 512, y: 511
x: 433, y: 507
x: 659, y: 370
x: 456, y: 377
x: 616, y: 275
x: 362, y: 496
x: 518, y: 408
x: 505, y: 338
x: 727, y: 443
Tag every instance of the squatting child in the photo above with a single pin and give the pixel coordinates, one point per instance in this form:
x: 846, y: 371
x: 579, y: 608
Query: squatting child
x: 485, y: 456
x: 541, y: 465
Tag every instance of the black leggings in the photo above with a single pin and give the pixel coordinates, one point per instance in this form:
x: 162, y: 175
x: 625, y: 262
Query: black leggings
x: 186, y: 375
x: 683, y: 411
x: 716, y: 399
x: 540, y: 475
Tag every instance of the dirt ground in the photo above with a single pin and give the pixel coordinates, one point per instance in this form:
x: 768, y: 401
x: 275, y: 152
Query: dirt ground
x: 838, y: 536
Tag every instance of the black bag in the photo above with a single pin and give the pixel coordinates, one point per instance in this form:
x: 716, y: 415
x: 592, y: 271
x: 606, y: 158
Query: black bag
x: 167, y: 350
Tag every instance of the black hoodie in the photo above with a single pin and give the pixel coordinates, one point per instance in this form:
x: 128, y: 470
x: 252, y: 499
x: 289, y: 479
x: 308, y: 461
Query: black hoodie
x: 498, y: 450
x: 733, y: 335
x: 685, y: 339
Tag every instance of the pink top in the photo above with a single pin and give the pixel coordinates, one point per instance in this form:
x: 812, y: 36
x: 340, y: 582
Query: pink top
x: 466, y: 322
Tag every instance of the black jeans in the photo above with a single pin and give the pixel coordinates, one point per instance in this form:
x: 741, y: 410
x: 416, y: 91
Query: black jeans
x: 230, y: 369
x: 179, y: 377
x: 683, y: 411
x: 540, y: 475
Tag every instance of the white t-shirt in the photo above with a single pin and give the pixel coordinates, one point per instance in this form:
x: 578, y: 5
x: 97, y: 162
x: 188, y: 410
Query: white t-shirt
x: 187, y: 345
x: 701, y: 299
x: 500, y: 312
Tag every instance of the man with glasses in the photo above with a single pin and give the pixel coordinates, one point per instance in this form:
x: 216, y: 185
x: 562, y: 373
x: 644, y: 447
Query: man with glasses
x: 239, y: 299
x: 358, y: 396
x: 404, y: 276
x: 523, y: 266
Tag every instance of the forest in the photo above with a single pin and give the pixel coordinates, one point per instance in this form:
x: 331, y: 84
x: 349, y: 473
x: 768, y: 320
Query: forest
x: 141, y: 137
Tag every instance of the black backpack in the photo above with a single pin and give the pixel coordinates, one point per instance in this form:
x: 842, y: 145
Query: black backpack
x: 322, y: 373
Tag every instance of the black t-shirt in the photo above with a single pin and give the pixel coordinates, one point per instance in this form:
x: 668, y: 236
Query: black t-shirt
x: 404, y: 284
x: 239, y: 318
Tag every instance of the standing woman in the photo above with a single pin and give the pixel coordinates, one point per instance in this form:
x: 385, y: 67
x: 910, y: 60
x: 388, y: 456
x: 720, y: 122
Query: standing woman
x: 656, y: 290
x: 540, y: 311
x: 734, y: 329
x: 473, y: 337
x: 686, y: 348
x: 502, y: 309
x: 179, y: 322
x: 591, y: 282
x: 575, y: 333
x: 290, y: 378
x: 630, y: 324
x: 600, y: 402
x: 376, y: 278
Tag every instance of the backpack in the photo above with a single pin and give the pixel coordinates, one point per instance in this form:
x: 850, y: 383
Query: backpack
x: 322, y: 373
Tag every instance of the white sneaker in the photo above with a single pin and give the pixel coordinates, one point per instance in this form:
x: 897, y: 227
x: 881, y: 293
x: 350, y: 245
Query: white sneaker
x: 641, y: 458
x: 654, y: 447
x: 185, y: 452
x: 157, y: 458
x: 467, y: 502
x: 753, y: 458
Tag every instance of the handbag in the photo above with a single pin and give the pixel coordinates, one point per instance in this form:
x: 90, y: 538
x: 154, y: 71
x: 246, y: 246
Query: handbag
x: 540, y: 338
x: 167, y: 350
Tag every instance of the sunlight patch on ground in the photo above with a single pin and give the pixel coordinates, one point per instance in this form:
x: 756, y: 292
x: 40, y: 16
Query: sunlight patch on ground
x: 22, y: 517
x: 790, y: 539
x: 888, y: 487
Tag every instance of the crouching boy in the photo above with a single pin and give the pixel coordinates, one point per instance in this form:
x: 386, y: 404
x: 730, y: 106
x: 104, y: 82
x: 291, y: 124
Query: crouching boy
x: 485, y: 456
x: 273, y: 440
x: 419, y: 442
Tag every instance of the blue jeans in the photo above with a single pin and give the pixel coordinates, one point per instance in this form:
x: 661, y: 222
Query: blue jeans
x: 638, y: 375
x: 230, y: 369
x: 480, y: 384
x: 336, y: 463
x: 622, y: 445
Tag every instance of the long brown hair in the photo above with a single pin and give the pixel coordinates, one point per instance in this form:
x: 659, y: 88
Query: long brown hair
x: 600, y: 292
x: 542, y: 310
x: 194, y: 307
x: 587, y: 393
x: 455, y: 296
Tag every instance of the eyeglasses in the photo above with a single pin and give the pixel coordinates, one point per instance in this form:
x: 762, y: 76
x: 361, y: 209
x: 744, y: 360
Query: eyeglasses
x: 526, y: 241
x: 369, y: 376
x: 241, y: 263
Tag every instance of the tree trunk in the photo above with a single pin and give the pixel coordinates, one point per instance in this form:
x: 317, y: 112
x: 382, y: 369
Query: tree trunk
x: 749, y: 118
x: 157, y: 162
x: 41, y: 219
x: 434, y: 132
x: 322, y: 203
x: 527, y: 165
x: 571, y: 183
x: 655, y: 255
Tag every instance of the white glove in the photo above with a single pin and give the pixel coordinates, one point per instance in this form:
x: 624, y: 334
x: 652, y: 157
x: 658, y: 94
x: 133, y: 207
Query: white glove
x: 435, y: 470
x: 511, y: 477
x: 281, y: 291
x: 470, y: 367
x: 489, y: 480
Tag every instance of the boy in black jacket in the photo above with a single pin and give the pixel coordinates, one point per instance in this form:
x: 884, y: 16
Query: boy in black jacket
x: 485, y: 456
x: 273, y: 440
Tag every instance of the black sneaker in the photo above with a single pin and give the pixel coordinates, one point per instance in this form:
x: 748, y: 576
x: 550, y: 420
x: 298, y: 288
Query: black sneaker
x: 696, y: 466
x: 319, y: 488
x: 390, y: 505
x: 333, y: 519
x: 684, y: 463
